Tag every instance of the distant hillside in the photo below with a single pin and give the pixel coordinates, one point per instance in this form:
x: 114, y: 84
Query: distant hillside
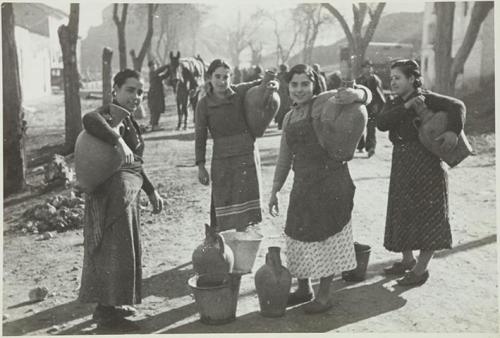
x: 396, y: 27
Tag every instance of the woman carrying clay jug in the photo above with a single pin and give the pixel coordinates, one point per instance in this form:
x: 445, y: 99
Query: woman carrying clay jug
x: 111, y: 274
x: 319, y: 238
x: 235, y: 167
x: 417, y: 211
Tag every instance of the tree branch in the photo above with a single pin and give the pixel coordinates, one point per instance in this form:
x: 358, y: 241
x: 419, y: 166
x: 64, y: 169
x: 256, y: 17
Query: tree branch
x: 372, y: 25
x: 479, y: 13
x: 342, y: 22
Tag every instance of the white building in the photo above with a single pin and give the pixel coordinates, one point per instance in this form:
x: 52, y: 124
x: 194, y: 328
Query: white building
x: 38, y: 48
x: 479, y: 69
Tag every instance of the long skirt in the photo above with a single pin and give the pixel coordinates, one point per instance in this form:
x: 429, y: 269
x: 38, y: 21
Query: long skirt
x: 235, y: 191
x: 417, y: 211
x: 112, y: 270
x: 321, y: 259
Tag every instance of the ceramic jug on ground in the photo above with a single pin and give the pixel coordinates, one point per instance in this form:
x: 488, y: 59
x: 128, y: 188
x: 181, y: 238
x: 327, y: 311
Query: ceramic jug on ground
x: 430, y: 126
x: 261, y: 104
x: 213, y: 257
x: 339, y: 127
x: 273, y: 282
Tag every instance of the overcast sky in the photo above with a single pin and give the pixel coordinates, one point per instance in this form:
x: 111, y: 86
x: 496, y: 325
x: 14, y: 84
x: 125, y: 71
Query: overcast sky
x: 91, y: 11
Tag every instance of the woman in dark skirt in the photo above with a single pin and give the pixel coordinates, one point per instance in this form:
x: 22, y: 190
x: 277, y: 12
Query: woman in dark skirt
x: 417, y: 211
x: 112, y: 268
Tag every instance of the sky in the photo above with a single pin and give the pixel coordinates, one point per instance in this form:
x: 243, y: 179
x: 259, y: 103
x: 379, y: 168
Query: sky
x: 91, y: 11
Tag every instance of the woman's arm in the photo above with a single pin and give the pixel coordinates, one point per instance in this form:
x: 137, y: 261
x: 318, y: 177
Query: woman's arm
x: 242, y: 88
x: 284, y: 162
x: 454, y: 108
x: 201, y: 131
x: 96, y: 125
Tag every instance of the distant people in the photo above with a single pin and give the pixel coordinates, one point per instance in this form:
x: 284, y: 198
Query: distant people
x: 417, y: 210
x: 285, y: 101
x: 334, y: 81
x: 369, y: 79
x: 156, y: 95
x: 321, y: 76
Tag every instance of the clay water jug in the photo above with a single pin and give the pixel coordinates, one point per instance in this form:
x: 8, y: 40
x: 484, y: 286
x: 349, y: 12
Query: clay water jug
x: 96, y: 160
x: 261, y: 104
x: 339, y: 127
x: 213, y: 257
x: 273, y: 282
x: 431, y: 125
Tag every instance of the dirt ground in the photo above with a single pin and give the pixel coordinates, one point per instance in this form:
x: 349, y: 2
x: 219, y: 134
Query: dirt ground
x: 460, y: 296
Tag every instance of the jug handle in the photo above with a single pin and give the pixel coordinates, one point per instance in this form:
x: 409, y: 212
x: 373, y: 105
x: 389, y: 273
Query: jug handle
x: 221, y: 242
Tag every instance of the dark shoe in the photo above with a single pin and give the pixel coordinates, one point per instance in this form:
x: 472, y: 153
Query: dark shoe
x: 412, y: 279
x: 296, y: 298
x: 371, y: 152
x: 106, y: 313
x: 352, y: 276
x: 126, y: 310
x: 118, y: 325
x: 315, y: 307
x: 399, y: 268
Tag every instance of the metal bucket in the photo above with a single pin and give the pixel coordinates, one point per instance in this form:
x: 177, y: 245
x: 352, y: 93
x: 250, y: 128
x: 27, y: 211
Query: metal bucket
x: 362, y: 258
x: 245, y: 246
x: 216, y: 302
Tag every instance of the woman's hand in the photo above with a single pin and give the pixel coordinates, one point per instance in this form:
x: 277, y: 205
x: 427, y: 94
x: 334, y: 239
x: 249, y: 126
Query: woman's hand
x: 156, y: 201
x: 125, y: 152
x: 348, y: 95
x: 415, y: 102
x: 273, y: 205
x: 203, y: 176
x: 448, y: 141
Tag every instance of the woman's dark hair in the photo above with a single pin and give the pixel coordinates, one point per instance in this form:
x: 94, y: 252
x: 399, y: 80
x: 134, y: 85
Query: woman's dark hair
x: 123, y: 75
x: 216, y: 64
x: 409, y: 68
x: 309, y: 72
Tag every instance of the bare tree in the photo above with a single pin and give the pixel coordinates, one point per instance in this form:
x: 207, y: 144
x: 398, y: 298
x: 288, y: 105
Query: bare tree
x: 138, y: 60
x: 107, y: 56
x: 240, y: 36
x: 358, y: 42
x: 256, y: 48
x: 14, y: 168
x: 311, y: 19
x: 283, y: 51
x: 447, y: 67
x: 68, y: 38
x: 120, y: 26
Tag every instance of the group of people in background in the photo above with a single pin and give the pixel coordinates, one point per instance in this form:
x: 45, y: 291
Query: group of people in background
x: 318, y: 226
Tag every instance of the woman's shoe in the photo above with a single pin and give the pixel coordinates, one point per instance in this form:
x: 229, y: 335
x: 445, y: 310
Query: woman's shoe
x: 105, y: 313
x: 125, y: 310
x: 315, y: 307
x: 399, y: 268
x: 412, y: 279
x: 296, y: 298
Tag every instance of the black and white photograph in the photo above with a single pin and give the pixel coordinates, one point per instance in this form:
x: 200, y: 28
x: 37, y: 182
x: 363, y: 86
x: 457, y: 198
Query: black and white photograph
x: 249, y: 167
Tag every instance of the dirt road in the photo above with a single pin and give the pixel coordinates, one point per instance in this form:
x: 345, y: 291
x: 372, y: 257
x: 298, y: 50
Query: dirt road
x: 460, y: 296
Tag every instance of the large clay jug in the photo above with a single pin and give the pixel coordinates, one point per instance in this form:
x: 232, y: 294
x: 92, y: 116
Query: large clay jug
x: 96, y: 160
x: 339, y: 127
x: 433, y: 124
x: 261, y: 104
x: 273, y: 282
x: 213, y: 257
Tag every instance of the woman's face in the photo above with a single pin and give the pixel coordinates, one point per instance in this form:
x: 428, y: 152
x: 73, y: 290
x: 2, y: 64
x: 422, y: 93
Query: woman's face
x: 129, y: 94
x: 221, y: 80
x: 400, y: 84
x: 300, y: 88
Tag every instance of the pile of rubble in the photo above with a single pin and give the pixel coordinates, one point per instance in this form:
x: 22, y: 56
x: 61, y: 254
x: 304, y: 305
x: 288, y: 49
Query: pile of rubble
x: 58, y: 213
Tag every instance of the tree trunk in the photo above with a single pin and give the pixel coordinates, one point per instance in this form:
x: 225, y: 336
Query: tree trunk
x: 107, y: 56
x: 146, y: 45
x: 120, y: 27
x: 445, y: 11
x: 68, y: 38
x: 14, y: 163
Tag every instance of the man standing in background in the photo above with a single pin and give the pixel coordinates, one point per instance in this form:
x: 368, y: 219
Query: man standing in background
x: 156, y: 95
x: 370, y: 80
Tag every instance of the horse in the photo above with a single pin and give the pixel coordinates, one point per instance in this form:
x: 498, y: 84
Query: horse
x: 187, y: 76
